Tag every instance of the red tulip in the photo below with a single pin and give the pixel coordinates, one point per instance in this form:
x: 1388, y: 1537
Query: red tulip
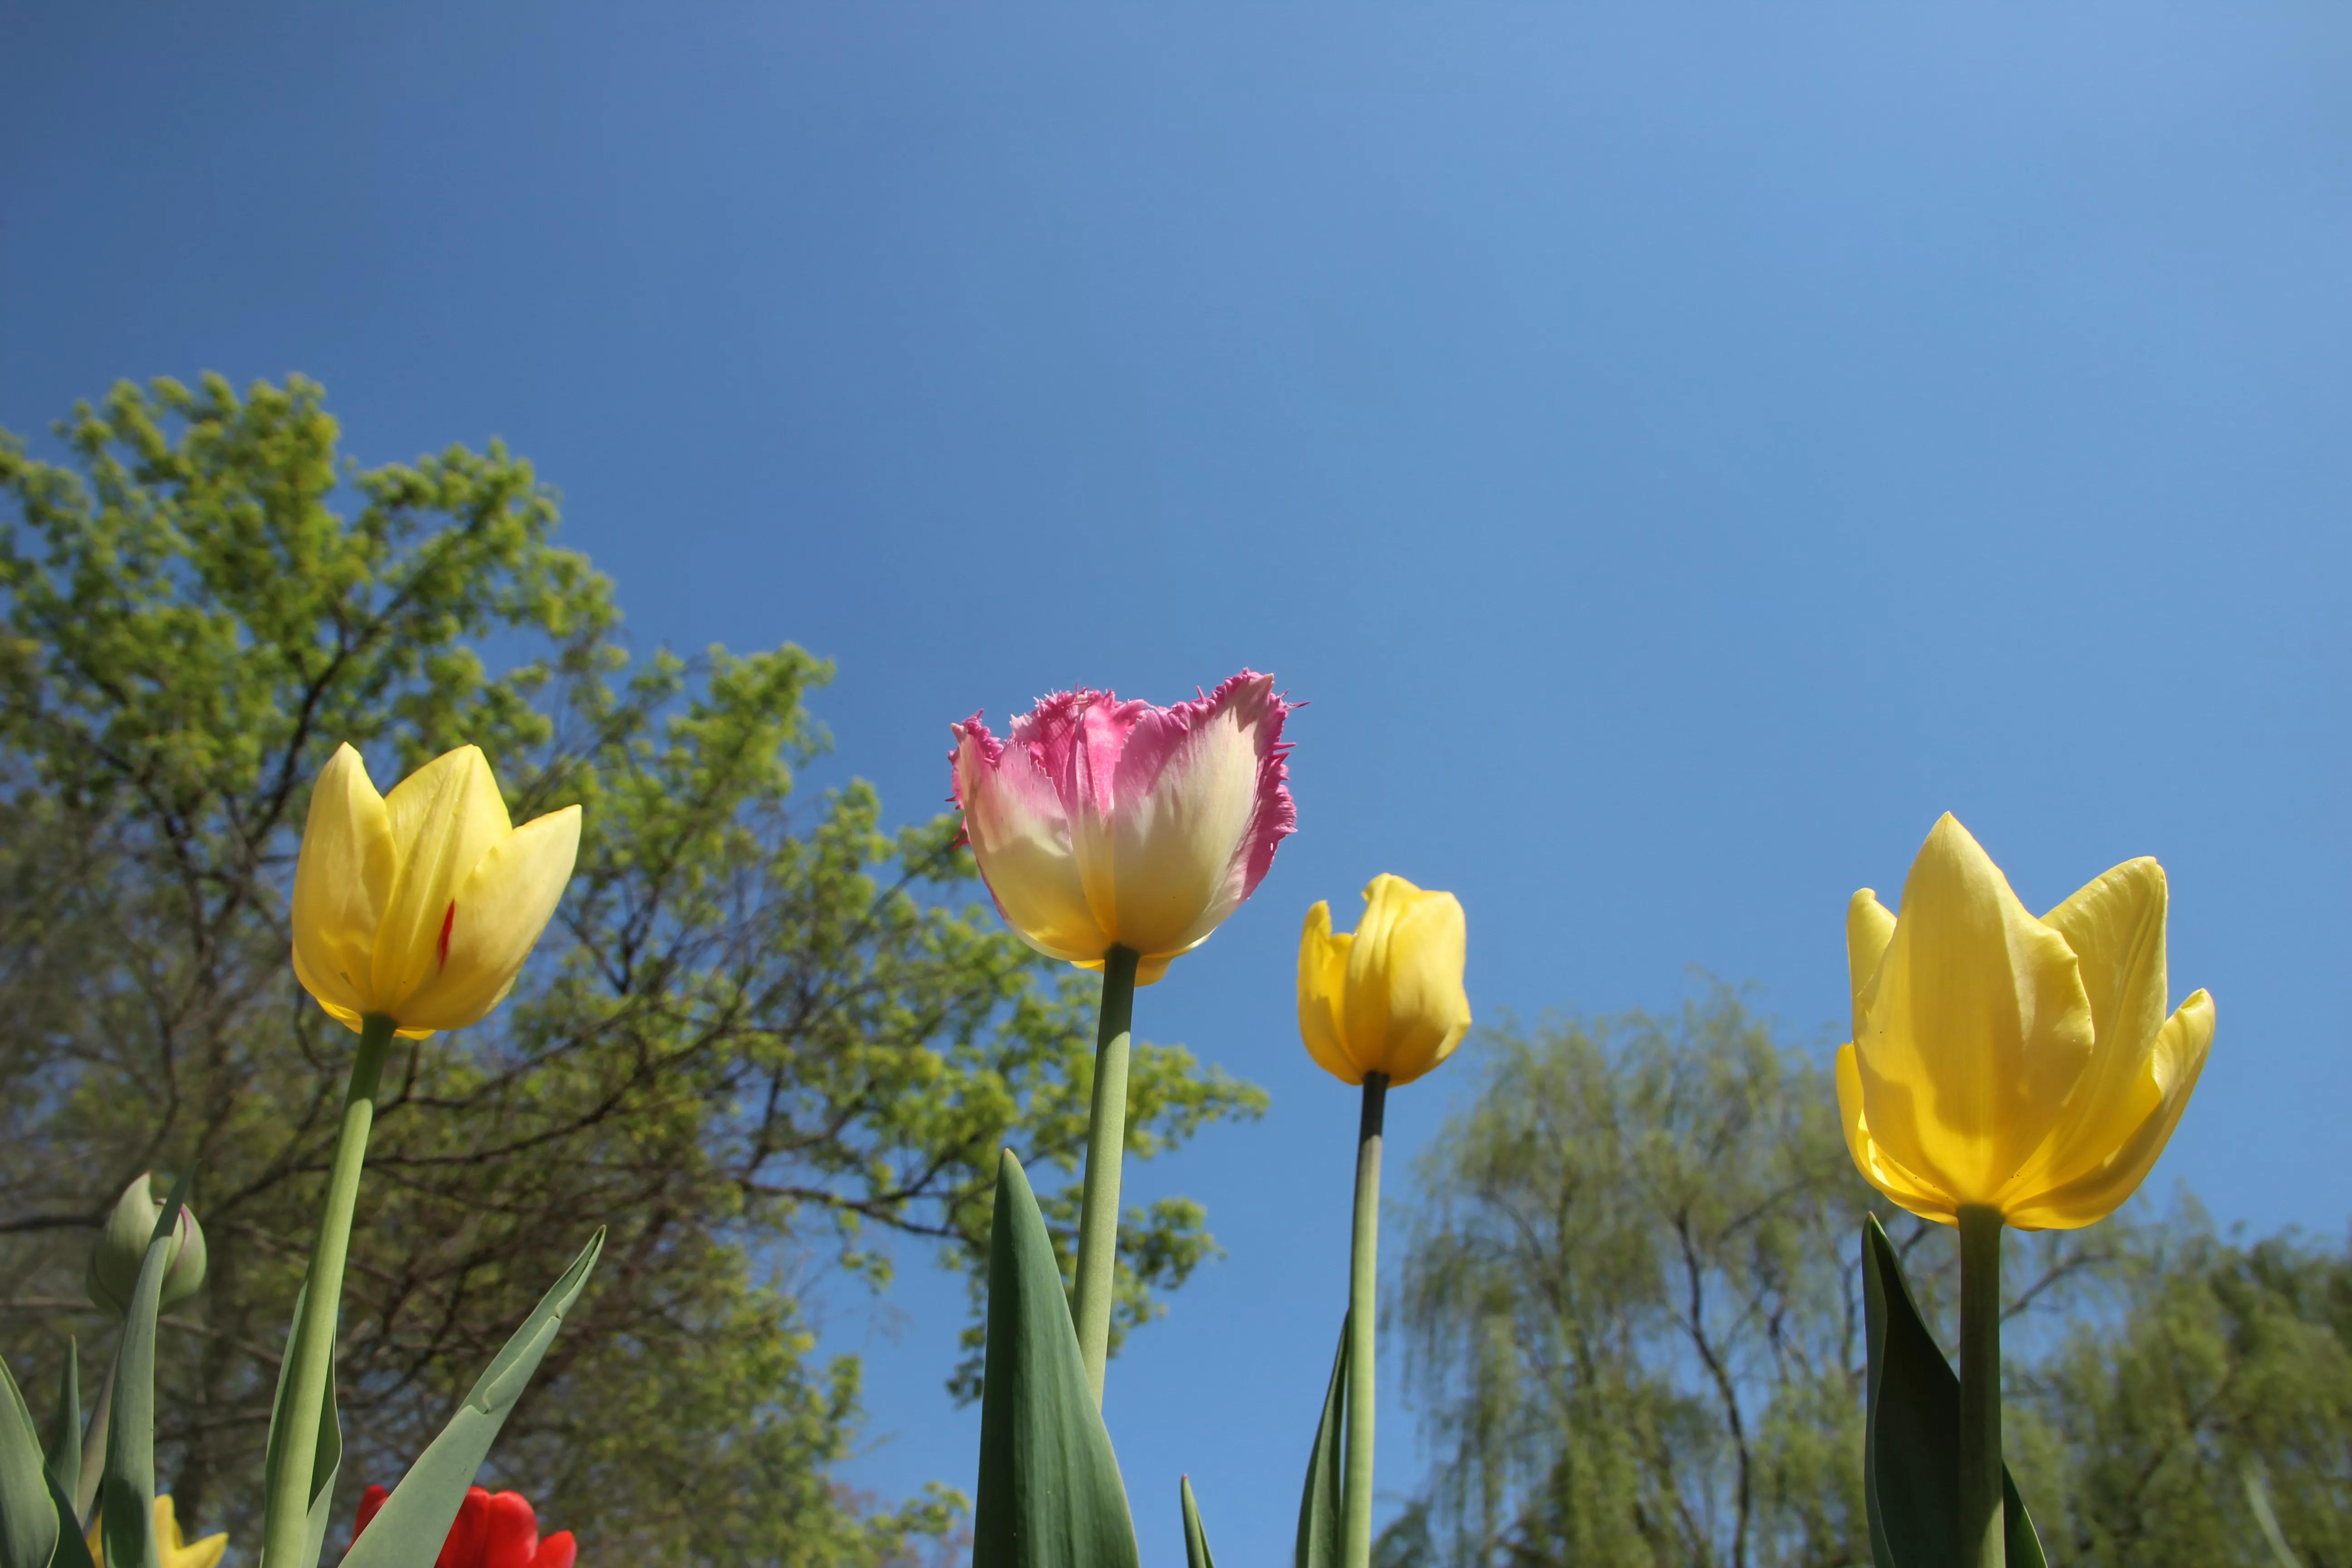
x: 493, y: 1529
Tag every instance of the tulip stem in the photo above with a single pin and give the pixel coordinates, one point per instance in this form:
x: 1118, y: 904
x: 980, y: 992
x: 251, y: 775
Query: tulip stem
x: 1983, y: 1522
x: 1106, y: 1146
x: 1363, y: 1316
x: 311, y: 1357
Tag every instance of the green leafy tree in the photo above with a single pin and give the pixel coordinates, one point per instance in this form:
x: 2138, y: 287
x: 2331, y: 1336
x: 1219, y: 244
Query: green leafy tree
x: 764, y: 1031
x: 2211, y: 1363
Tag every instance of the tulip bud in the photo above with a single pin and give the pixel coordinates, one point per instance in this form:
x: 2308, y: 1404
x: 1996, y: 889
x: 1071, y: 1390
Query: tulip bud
x: 1103, y: 823
x: 2031, y: 1067
x: 422, y: 905
x: 1387, y: 997
x: 121, y: 1249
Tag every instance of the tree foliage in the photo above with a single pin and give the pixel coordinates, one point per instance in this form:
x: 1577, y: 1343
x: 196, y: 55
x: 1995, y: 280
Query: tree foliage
x: 1634, y: 1332
x: 764, y: 1031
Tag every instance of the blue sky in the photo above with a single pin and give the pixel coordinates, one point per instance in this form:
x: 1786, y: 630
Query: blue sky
x: 1678, y: 451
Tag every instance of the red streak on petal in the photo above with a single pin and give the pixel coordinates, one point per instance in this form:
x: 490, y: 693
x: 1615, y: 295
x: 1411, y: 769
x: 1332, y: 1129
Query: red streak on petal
x: 448, y: 923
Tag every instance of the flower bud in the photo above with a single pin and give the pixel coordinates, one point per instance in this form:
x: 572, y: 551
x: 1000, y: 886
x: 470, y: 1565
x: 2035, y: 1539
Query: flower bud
x: 122, y: 1246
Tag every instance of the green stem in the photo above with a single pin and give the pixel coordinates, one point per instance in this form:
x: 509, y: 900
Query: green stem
x: 1363, y: 1316
x: 312, y: 1356
x: 1982, y: 1524
x: 1106, y: 1146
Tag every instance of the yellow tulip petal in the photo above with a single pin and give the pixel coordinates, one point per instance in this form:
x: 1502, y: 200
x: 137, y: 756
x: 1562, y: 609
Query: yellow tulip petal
x: 342, y: 881
x: 1366, y: 1010
x: 445, y: 818
x: 2173, y: 1067
x: 1978, y: 1028
x: 1322, y: 991
x: 1428, y: 1009
x: 497, y: 913
x: 2116, y: 926
x: 1869, y: 927
x: 1897, y: 1182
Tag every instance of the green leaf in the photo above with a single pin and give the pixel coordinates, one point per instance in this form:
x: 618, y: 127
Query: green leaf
x: 126, y: 1488
x: 326, y: 1456
x: 2258, y: 1498
x: 1911, y: 1443
x: 409, y: 1530
x: 1322, y: 1509
x: 65, y: 1423
x: 73, y: 1551
x: 28, y: 1513
x: 1196, y: 1539
x: 1049, y: 1492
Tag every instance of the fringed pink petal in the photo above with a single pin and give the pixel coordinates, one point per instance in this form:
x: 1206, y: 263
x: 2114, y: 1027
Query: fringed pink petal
x: 1020, y: 834
x: 1276, y: 815
x: 1075, y: 739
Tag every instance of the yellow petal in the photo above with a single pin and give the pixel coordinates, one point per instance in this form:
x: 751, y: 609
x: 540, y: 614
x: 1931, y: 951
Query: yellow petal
x: 1365, y: 1013
x: 1978, y: 1028
x: 1869, y: 927
x: 1021, y: 839
x: 445, y: 818
x: 2173, y: 1067
x: 1322, y: 992
x: 1897, y: 1182
x: 498, y: 912
x: 1149, y: 969
x: 1428, y: 1009
x: 342, y: 882
x: 2116, y: 926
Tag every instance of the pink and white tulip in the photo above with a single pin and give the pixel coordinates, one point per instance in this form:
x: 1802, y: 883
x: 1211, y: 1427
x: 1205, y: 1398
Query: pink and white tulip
x: 1100, y: 823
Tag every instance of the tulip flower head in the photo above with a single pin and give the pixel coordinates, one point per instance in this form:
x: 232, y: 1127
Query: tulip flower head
x: 2023, y: 1065
x: 172, y: 1550
x: 1386, y: 997
x: 121, y: 1249
x: 422, y: 905
x: 1104, y: 824
x: 492, y: 1530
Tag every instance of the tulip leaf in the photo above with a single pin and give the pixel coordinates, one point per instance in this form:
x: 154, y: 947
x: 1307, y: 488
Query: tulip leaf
x: 1196, y: 1539
x: 1049, y: 1493
x: 1322, y: 1509
x: 325, y: 1456
x: 1911, y: 1443
x: 29, y: 1512
x: 2258, y: 1498
x: 65, y: 1423
x: 126, y: 1487
x: 72, y: 1552
x: 408, y: 1530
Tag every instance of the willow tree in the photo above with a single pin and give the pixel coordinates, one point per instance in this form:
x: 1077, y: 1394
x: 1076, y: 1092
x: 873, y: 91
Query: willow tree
x: 765, y: 1031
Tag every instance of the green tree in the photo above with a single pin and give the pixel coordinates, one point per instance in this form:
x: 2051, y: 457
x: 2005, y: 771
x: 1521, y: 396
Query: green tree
x: 2211, y: 1362
x: 764, y: 1031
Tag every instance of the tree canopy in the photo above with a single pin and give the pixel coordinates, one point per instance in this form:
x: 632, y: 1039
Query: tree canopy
x: 765, y: 1030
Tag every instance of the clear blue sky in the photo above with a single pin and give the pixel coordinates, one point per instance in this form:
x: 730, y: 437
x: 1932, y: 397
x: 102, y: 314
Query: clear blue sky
x: 1677, y: 450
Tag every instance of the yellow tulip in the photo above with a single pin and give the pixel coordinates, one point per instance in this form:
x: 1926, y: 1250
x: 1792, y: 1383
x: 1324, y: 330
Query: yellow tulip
x: 2026, y: 1065
x: 172, y: 1549
x: 1387, y: 997
x: 422, y: 905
